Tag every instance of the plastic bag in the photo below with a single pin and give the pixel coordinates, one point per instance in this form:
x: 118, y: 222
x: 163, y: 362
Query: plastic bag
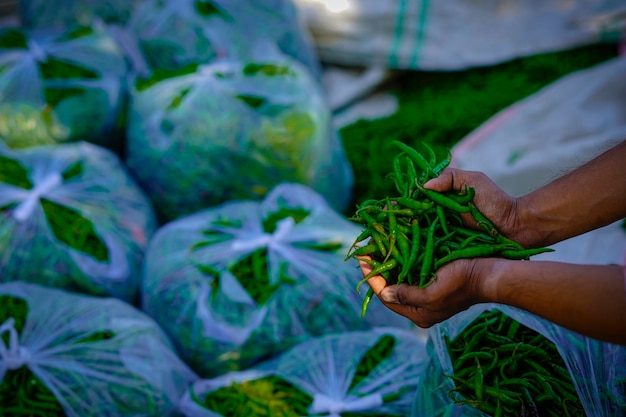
x: 240, y: 282
x: 597, y: 369
x: 67, y: 83
x: 234, y: 130
x: 72, y: 217
x: 452, y: 35
x: 551, y: 132
x: 42, y: 13
x: 333, y: 374
x: 89, y: 356
x: 173, y: 33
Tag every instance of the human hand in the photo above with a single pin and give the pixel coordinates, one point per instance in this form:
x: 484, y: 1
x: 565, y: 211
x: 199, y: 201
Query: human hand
x: 498, y: 206
x: 459, y: 285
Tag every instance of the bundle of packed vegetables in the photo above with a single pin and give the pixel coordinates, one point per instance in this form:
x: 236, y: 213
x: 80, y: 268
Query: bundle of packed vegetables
x: 354, y: 374
x: 494, y: 360
x: 413, y: 234
x: 72, y: 217
x: 243, y: 281
x: 64, y: 354
x: 174, y: 33
x: 61, y: 85
x: 233, y: 130
x: 42, y: 13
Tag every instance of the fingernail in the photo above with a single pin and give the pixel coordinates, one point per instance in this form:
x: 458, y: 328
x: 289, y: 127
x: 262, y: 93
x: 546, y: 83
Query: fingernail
x: 389, y: 295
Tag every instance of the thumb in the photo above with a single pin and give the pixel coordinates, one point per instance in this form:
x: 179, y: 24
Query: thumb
x: 441, y: 183
x: 402, y: 294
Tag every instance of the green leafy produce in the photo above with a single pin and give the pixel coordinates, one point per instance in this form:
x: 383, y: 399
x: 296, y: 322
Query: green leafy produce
x: 416, y: 231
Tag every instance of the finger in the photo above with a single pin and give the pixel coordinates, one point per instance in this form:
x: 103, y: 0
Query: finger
x: 443, y: 182
x: 451, y: 179
x: 403, y: 294
x: 377, y: 282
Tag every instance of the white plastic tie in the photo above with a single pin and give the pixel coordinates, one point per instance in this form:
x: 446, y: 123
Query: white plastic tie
x: 26, y: 207
x: 37, y: 51
x: 14, y: 356
x: 324, y: 404
x: 265, y: 240
x: 220, y: 67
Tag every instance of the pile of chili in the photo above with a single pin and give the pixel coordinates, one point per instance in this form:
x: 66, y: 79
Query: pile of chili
x: 504, y: 368
x: 411, y: 235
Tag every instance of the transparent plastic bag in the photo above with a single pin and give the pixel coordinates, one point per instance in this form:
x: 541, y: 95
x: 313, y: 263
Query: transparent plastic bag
x: 173, y: 33
x: 95, y: 356
x: 325, y: 369
x: 234, y: 130
x: 72, y: 217
x: 69, y: 82
x: 42, y: 13
x: 223, y: 317
x: 597, y: 369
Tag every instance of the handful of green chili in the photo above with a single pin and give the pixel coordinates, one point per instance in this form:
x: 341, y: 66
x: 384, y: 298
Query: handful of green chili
x: 504, y: 368
x: 409, y: 236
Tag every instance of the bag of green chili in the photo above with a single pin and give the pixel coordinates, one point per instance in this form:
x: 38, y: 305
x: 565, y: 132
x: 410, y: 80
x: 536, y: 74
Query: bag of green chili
x: 353, y: 374
x: 233, y: 130
x: 240, y: 282
x: 174, y: 33
x: 496, y: 360
x: 72, y: 217
x: 42, y: 13
x: 61, y: 85
x: 66, y: 354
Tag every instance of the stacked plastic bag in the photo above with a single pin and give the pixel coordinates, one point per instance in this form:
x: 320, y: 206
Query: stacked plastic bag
x: 596, y: 369
x: 60, y: 85
x: 77, y: 356
x: 72, y: 217
x: 173, y: 33
x: 367, y: 373
x: 240, y: 282
x: 233, y: 130
x: 42, y: 13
